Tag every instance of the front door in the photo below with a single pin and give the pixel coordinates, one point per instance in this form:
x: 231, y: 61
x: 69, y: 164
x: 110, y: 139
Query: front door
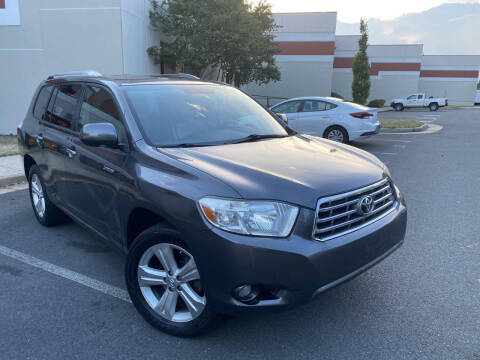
x: 291, y: 109
x: 314, y: 117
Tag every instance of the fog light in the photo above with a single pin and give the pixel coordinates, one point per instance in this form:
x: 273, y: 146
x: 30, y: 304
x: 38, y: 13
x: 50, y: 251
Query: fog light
x: 245, y: 293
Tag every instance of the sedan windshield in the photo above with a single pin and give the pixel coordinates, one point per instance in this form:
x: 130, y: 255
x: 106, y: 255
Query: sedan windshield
x: 199, y: 115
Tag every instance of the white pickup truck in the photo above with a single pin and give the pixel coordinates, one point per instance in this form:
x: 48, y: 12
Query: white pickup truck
x: 418, y: 100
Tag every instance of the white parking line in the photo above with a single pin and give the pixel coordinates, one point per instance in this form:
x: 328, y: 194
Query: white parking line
x: 394, y: 140
x: 67, y: 274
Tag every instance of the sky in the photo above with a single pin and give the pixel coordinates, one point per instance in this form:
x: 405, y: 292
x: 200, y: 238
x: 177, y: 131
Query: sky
x: 351, y: 10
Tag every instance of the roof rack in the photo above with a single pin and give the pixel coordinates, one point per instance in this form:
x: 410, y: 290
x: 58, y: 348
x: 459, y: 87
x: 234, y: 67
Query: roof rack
x: 179, y: 75
x: 75, y: 73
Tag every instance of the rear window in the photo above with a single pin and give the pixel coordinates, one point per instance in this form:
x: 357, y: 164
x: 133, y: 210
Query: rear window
x: 358, y: 106
x: 42, y: 101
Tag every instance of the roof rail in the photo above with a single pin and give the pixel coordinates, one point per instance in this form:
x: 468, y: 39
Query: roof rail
x: 75, y: 73
x: 180, y: 75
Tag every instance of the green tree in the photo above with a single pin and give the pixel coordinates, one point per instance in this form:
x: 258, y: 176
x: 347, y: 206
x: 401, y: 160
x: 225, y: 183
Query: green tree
x: 478, y: 86
x: 233, y: 36
x: 361, y: 68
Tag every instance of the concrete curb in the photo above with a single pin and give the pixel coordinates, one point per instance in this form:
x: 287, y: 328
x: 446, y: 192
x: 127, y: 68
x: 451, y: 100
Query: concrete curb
x: 10, y: 180
x: 384, y: 109
x: 404, y: 130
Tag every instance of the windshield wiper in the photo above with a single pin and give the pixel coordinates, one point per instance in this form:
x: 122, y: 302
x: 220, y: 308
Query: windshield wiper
x: 185, y: 145
x: 256, y: 137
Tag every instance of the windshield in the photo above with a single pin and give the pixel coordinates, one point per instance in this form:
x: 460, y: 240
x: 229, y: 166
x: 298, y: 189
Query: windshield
x: 199, y: 114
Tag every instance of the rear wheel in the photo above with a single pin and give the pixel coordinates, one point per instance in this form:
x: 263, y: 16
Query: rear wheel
x: 45, y: 211
x: 336, y: 133
x: 164, y: 284
x: 398, y: 107
x: 433, y: 107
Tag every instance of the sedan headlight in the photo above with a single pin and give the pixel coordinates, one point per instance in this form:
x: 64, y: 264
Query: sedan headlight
x: 255, y: 217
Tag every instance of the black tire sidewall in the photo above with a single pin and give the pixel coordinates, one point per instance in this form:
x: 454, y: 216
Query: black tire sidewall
x: 150, y: 237
x: 433, y: 107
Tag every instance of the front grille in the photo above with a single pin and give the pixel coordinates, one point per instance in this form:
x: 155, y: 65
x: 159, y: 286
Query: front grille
x: 340, y: 214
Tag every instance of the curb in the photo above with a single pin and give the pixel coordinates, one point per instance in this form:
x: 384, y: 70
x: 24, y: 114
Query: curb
x: 10, y: 180
x: 405, y: 130
x: 384, y: 109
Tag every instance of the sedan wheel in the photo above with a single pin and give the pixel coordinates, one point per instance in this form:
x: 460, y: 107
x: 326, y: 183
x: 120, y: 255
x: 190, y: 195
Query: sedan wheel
x: 169, y: 281
x: 336, y: 133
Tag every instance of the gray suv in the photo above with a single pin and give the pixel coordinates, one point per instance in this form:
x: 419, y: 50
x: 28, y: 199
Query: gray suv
x: 220, y: 207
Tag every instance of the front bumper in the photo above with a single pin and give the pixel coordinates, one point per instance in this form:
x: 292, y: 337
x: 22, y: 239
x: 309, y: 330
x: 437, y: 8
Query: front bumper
x: 294, y: 269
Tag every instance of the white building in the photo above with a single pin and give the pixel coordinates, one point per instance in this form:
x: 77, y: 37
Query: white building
x: 454, y: 77
x: 307, y: 43
x: 42, y: 37
x: 51, y: 36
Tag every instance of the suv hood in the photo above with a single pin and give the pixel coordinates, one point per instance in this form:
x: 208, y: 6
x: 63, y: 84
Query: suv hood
x: 298, y: 169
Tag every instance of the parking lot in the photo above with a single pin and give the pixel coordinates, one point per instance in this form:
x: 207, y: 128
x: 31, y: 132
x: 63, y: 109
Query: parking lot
x: 62, y: 293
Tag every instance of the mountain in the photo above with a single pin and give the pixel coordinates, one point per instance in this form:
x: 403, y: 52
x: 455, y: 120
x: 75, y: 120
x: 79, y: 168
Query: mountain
x: 452, y: 28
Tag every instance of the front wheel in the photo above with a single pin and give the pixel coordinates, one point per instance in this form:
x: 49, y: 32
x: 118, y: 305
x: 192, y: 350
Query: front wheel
x: 164, y: 284
x: 336, y: 133
x: 398, y: 107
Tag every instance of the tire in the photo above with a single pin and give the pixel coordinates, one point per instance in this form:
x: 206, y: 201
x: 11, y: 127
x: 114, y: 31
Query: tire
x: 398, y: 107
x: 45, y: 211
x: 433, y: 106
x: 336, y: 133
x: 160, y: 287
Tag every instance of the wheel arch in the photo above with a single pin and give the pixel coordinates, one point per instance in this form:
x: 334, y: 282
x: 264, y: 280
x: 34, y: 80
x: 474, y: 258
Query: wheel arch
x: 142, y: 218
x: 28, y: 162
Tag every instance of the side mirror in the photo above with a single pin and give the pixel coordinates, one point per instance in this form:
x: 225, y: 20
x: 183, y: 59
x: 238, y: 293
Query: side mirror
x: 99, y: 134
x: 283, y: 117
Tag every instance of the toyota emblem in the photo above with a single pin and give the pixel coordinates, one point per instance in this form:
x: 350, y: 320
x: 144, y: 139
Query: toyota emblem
x: 365, y: 205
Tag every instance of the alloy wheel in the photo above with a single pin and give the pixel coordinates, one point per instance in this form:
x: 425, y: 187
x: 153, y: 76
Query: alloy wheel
x: 38, y: 195
x: 335, y: 135
x: 170, y: 283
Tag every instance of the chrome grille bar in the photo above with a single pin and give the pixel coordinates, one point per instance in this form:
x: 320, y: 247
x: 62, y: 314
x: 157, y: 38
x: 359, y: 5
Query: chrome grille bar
x: 341, y: 214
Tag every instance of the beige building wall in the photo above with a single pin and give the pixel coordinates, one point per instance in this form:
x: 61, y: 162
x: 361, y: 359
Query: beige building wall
x: 307, y: 43
x: 109, y: 36
x: 454, y: 77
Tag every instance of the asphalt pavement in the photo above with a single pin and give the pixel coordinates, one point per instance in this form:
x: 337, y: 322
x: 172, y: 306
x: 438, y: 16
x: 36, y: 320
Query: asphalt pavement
x: 58, y: 285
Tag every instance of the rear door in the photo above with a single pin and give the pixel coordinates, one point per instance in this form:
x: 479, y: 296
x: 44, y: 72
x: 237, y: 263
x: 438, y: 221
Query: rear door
x: 96, y: 175
x: 315, y: 117
x: 56, y: 129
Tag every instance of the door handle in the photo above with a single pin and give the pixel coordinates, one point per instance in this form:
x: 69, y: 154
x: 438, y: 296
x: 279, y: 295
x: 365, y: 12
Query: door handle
x: 71, y: 153
x: 39, y: 140
x: 108, y: 169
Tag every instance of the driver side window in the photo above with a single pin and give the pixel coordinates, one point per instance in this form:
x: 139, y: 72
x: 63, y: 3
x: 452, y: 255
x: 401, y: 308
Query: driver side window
x: 288, y: 107
x: 412, y: 97
x: 98, y: 106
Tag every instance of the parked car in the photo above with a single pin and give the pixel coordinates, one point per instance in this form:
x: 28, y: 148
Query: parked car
x: 219, y: 205
x: 477, y: 97
x: 418, y: 101
x: 329, y: 117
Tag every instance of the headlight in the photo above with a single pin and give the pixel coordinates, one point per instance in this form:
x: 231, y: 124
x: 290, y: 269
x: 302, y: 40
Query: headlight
x: 260, y: 218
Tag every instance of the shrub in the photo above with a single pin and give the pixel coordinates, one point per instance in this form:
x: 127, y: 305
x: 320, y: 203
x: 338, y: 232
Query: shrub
x: 377, y: 103
x: 336, y: 95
